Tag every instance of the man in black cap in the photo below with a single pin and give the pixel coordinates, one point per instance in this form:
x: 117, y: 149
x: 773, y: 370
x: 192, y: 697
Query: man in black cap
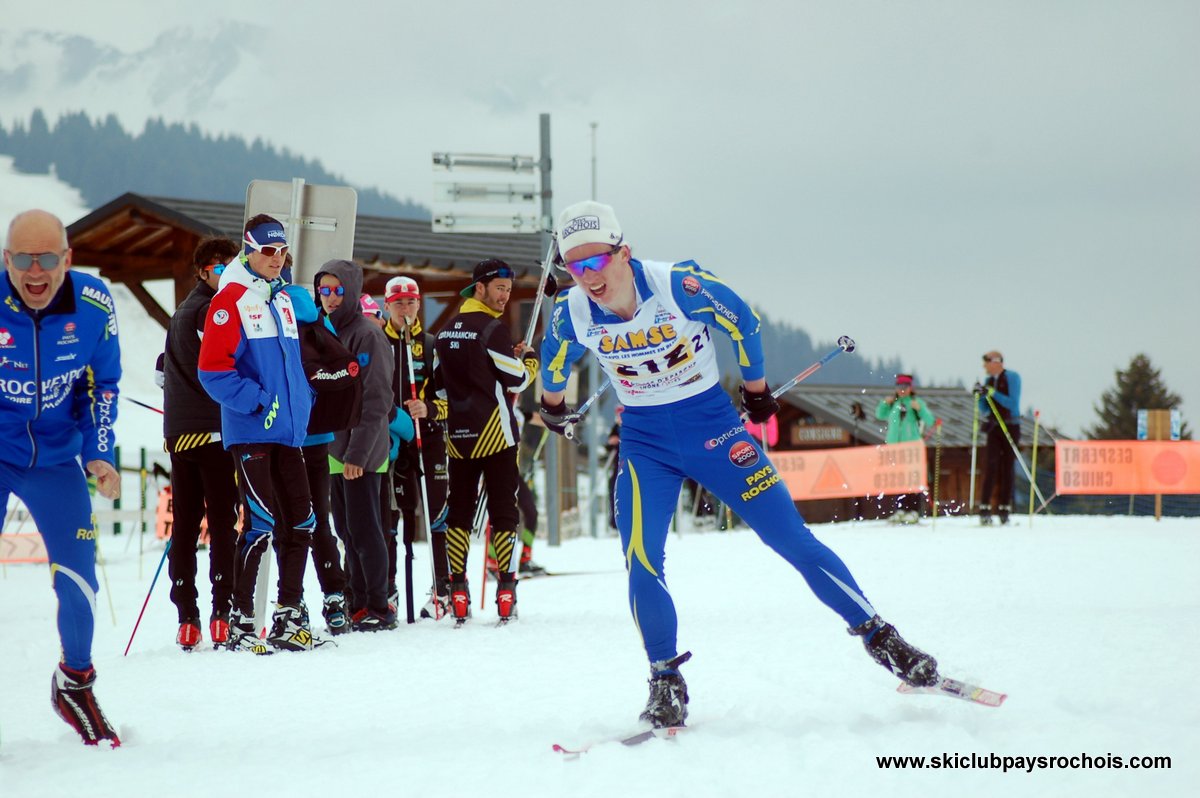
x: 479, y: 371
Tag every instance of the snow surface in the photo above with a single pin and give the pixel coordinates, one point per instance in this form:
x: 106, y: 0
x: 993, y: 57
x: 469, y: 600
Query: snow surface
x: 1081, y: 620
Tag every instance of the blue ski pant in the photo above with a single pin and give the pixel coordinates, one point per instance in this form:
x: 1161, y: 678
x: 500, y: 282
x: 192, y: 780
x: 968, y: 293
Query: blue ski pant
x: 703, y: 438
x: 57, y: 498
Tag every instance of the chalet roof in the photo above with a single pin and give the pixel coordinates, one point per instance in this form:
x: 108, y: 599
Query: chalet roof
x: 135, y: 238
x: 830, y: 404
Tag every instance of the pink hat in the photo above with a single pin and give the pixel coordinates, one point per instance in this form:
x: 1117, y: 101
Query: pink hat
x: 369, y: 306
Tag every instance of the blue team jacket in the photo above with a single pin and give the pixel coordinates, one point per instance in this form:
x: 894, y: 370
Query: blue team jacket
x: 58, y: 375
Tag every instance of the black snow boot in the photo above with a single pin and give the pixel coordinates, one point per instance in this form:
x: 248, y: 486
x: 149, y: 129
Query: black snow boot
x: 889, y: 649
x: 667, y: 705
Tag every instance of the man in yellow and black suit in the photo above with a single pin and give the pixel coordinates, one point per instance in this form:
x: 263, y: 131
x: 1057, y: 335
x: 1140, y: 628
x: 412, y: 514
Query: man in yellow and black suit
x: 478, y: 370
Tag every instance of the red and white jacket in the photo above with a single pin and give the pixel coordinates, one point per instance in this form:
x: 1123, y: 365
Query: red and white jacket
x: 250, y: 361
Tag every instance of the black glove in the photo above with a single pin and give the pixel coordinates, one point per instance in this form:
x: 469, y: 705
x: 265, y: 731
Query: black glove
x: 557, y: 418
x: 758, y: 406
x: 978, y: 389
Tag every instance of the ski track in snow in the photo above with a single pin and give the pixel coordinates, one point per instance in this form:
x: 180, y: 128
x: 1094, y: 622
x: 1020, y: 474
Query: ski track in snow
x: 1075, y: 618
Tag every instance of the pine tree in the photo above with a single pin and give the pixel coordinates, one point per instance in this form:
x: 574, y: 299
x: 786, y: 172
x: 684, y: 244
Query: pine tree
x: 1139, y: 387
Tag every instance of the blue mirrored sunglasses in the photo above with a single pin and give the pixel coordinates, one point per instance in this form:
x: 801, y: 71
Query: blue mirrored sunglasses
x: 23, y: 261
x: 504, y: 273
x: 217, y: 269
x: 326, y: 290
x: 594, y: 263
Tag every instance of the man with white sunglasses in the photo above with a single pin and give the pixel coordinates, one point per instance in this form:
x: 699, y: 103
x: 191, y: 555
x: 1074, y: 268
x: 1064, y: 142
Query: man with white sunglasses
x: 250, y: 363
x: 59, y: 367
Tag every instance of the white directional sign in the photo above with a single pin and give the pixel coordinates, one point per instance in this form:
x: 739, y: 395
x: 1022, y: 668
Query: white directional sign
x: 491, y: 198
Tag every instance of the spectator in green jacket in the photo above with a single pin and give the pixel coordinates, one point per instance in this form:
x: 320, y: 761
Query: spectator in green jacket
x: 907, y: 418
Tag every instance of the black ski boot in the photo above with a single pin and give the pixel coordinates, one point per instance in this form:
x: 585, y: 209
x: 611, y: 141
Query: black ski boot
x: 889, y: 649
x: 667, y: 705
x: 73, y: 700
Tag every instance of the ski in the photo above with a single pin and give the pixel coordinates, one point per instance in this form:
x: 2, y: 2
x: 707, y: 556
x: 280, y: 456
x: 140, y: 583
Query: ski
x: 548, y: 574
x: 956, y: 689
x: 636, y: 738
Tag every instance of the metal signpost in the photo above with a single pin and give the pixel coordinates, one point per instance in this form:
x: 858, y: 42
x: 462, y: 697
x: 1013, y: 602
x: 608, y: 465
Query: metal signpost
x: 319, y: 221
x: 501, y: 194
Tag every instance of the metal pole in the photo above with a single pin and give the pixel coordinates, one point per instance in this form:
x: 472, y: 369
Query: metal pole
x: 553, y: 504
x: 293, y: 229
x: 594, y: 431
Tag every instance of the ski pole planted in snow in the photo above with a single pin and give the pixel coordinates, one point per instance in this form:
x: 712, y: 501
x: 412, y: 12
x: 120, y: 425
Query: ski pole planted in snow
x: 408, y: 548
x: 148, y: 594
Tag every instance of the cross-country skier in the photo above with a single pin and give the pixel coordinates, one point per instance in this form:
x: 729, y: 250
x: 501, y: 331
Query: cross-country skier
x: 61, y: 364
x: 650, y: 324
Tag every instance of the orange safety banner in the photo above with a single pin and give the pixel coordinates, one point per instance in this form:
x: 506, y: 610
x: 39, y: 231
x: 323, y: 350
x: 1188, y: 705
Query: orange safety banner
x: 1127, y: 467
x: 853, y: 471
x: 25, y: 547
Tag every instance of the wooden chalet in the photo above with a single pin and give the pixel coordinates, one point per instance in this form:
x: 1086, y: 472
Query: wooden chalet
x: 134, y: 239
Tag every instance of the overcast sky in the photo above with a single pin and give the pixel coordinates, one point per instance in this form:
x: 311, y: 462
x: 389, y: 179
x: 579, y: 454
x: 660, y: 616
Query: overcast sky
x: 935, y: 179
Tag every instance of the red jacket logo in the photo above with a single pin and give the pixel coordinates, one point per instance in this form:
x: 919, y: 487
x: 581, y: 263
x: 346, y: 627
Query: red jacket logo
x: 743, y: 454
x: 691, y: 286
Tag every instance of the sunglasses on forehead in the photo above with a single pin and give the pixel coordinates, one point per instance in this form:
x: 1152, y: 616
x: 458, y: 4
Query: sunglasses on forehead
x: 502, y: 272
x: 23, y: 261
x: 594, y: 263
x: 326, y: 290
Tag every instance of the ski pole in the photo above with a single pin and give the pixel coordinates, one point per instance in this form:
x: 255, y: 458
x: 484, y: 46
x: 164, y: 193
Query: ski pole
x: 541, y: 289
x: 937, y: 468
x: 974, y: 452
x: 577, y: 416
x: 1037, y: 417
x: 148, y: 594
x: 142, y: 404
x: 1016, y: 451
x: 479, y: 523
x: 412, y: 387
x: 844, y: 344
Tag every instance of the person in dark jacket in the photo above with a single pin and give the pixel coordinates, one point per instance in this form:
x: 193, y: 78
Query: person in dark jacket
x: 60, y: 364
x: 359, y: 455
x: 202, y: 471
x: 1003, y: 387
x: 250, y: 362
x: 402, y: 299
x: 478, y: 368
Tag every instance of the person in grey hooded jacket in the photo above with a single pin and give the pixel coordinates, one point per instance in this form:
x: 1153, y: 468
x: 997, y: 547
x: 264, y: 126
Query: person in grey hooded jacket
x: 359, y: 455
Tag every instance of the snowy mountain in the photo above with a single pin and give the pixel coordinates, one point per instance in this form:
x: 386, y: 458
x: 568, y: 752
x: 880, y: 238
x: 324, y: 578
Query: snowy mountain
x: 61, y: 72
